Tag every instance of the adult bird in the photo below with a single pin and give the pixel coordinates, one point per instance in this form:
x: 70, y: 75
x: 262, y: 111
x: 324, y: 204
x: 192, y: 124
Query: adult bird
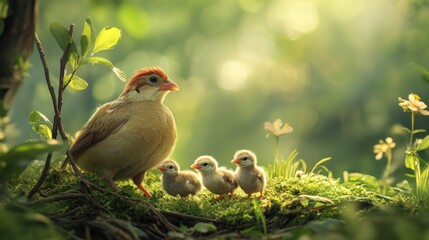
x: 130, y: 135
x: 250, y: 177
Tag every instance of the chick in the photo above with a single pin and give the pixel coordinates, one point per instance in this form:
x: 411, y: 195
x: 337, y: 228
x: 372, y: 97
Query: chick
x: 217, y: 180
x: 176, y: 182
x: 250, y: 177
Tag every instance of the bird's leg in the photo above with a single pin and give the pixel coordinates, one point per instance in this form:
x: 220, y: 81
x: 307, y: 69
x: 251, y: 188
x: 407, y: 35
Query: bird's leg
x: 138, y: 181
x: 232, y: 195
x: 249, y: 195
x: 219, y: 197
x: 261, y: 195
x: 113, y: 185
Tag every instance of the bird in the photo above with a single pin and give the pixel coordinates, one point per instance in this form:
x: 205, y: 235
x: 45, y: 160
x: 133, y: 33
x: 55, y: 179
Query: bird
x: 251, y: 178
x: 126, y: 137
x: 176, y: 182
x: 217, y: 180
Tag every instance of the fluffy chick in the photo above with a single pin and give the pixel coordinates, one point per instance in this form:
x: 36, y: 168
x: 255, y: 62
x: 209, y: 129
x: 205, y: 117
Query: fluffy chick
x: 217, y: 180
x: 250, y: 177
x: 176, y: 182
x: 130, y: 135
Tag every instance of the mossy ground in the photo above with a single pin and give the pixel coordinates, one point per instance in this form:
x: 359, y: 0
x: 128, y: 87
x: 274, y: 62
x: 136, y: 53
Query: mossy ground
x: 312, y: 205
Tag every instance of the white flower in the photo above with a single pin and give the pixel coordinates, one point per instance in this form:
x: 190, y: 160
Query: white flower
x: 382, y: 147
x: 276, y: 128
x: 413, y: 104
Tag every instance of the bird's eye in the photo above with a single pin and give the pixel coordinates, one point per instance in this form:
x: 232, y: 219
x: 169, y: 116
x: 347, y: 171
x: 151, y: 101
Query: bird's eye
x: 245, y: 158
x: 205, y: 164
x: 153, y: 79
x: 170, y: 167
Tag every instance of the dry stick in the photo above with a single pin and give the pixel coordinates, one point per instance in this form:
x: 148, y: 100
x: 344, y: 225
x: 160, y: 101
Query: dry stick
x: 158, y: 214
x: 58, y: 197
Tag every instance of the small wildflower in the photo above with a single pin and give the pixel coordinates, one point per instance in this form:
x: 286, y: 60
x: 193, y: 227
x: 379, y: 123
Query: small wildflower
x: 413, y: 104
x: 382, y: 147
x: 276, y: 128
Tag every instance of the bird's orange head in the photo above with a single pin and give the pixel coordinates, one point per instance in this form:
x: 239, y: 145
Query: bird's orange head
x: 149, y: 83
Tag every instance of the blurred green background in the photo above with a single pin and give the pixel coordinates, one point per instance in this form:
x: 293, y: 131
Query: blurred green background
x: 332, y: 69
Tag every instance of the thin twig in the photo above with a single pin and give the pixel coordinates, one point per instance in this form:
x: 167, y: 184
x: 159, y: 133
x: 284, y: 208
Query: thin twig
x: 66, y: 214
x: 58, y: 197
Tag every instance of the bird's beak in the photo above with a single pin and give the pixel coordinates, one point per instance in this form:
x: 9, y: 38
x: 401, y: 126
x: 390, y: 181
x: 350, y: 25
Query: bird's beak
x: 196, y: 166
x: 169, y: 85
x: 162, y: 168
x: 236, y: 161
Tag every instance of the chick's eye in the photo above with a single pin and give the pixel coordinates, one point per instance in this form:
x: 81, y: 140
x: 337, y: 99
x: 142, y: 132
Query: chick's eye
x: 170, y: 167
x: 205, y: 164
x: 153, y: 79
x: 245, y: 158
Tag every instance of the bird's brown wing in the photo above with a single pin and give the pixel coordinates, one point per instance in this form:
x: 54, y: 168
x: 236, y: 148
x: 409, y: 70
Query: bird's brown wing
x: 229, y: 178
x: 260, y: 175
x: 101, y: 125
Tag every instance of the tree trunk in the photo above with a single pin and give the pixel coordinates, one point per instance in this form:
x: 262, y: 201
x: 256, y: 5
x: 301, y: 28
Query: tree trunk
x: 18, y: 19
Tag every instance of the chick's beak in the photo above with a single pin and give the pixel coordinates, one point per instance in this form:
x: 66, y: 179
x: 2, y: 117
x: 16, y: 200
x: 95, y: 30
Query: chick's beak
x: 196, y: 166
x: 236, y: 161
x: 169, y: 85
x: 162, y: 168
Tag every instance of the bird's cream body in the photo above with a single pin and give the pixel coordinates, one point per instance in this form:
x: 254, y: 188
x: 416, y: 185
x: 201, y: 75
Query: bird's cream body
x: 219, y: 181
x: 147, y: 136
x: 251, y: 179
x: 183, y: 183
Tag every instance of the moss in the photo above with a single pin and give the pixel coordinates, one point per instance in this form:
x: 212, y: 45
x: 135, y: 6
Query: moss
x: 288, y: 202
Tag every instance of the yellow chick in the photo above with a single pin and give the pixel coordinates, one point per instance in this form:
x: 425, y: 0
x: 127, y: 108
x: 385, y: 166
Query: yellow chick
x: 176, y: 182
x: 217, y: 180
x: 250, y: 177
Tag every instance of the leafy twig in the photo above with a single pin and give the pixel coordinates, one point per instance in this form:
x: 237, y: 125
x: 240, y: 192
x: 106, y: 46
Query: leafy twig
x: 56, y: 111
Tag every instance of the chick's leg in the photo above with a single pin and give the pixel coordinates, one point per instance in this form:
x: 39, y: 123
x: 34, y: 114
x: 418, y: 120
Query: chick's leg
x: 138, y: 181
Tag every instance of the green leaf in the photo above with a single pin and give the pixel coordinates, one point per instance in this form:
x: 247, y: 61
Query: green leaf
x: 74, y: 60
x: 103, y: 61
x: 320, y: 162
x: 176, y: 235
x: 409, y: 161
x: 106, y: 39
x: 61, y: 34
x: 100, y: 60
x: 419, y: 131
x: 204, y: 227
x: 87, y: 38
x: 43, y: 131
x: 78, y: 83
x: 406, y: 130
x: 67, y: 79
x: 36, y: 117
x: 424, y: 144
x: 16, y: 159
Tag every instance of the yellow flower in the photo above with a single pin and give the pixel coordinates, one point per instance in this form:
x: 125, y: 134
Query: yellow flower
x: 413, y: 104
x: 382, y: 147
x: 276, y: 128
